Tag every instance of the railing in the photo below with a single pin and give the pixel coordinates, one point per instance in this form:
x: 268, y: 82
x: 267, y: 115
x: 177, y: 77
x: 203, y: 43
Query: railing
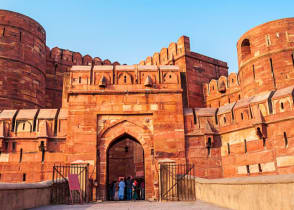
x: 177, y: 182
x: 60, y: 189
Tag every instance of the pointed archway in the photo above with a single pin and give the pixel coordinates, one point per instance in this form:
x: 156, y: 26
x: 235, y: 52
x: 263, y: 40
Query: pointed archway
x: 125, y: 160
x: 115, y: 133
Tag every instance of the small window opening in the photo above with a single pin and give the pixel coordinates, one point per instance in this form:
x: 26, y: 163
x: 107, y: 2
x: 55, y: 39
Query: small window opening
x: 248, y: 169
x: 212, y: 87
x: 3, y: 32
x: 292, y: 55
x: 285, y: 139
x: 259, y: 133
x: 225, y: 120
x: 80, y: 80
x: 42, y: 145
x: 13, y: 146
x: 23, y: 126
x: 229, y: 149
x: 268, y: 40
x: 242, y: 117
x: 253, y: 70
x: 55, y: 68
x: 208, y: 146
x: 24, y: 177
x: 259, y: 168
x: 245, y: 145
x: 170, y: 76
x: 194, y: 117
x: 20, y: 155
x: 126, y: 149
x: 125, y: 79
x: 245, y: 47
x: 272, y: 70
x: 43, y: 155
x: 282, y: 105
x: 20, y: 36
x: 152, y: 151
x: 232, y: 80
x: 219, y: 104
x: 239, y: 97
x: 229, y: 100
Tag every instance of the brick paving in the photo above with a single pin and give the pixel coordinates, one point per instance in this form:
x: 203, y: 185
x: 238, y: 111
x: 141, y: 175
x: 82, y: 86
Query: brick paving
x: 139, y: 205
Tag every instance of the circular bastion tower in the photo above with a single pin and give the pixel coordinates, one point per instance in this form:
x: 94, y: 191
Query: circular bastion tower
x: 22, y: 62
x: 265, y: 56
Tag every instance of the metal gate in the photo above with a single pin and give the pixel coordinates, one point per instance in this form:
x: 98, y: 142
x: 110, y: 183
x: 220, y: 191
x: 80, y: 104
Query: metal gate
x: 177, y: 182
x: 60, y: 189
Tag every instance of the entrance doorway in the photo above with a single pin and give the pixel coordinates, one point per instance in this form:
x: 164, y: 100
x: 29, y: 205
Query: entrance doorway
x: 125, y: 161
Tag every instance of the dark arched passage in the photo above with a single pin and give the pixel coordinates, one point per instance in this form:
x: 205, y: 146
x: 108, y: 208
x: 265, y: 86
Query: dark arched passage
x: 125, y: 158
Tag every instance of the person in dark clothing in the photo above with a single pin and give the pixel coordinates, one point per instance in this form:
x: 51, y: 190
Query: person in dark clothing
x: 129, y: 188
x: 142, y: 189
x: 135, y: 190
x: 113, y: 189
x: 110, y: 191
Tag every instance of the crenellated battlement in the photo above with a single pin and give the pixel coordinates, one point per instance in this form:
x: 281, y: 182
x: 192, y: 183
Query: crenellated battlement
x: 60, y: 61
x: 70, y: 58
x: 166, y: 56
x: 197, y: 69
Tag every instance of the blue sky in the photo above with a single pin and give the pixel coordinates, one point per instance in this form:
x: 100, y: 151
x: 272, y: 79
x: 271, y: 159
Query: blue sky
x: 128, y: 31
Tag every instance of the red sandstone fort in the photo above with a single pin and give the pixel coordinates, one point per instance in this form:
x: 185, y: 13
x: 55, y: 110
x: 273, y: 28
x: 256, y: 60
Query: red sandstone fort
x: 59, y: 107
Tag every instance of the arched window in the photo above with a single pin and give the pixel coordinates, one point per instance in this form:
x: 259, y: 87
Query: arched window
x: 245, y: 48
x: 282, y: 105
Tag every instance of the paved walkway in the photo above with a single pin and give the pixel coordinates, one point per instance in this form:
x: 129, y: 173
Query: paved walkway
x: 138, y: 205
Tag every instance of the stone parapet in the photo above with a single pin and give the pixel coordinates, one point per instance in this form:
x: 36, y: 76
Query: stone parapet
x: 263, y: 192
x: 24, y: 195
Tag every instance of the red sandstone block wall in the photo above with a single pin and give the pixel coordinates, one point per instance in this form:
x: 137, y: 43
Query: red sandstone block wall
x: 265, y: 55
x: 196, y: 69
x: 255, y: 135
x: 22, y: 61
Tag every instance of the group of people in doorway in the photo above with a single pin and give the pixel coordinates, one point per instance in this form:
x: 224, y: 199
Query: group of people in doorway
x: 127, y: 189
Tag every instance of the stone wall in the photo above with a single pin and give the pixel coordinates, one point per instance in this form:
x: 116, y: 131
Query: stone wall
x: 196, y: 69
x: 22, y: 61
x: 263, y: 192
x: 266, y: 63
x: 59, y: 61
x: 265, y: 55
x: 31, y: 142
x: 108, y: 102
x: 252, y: 136
x: 24, y: 196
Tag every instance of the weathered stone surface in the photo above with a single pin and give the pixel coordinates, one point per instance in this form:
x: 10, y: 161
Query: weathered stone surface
x: 177, y: 105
